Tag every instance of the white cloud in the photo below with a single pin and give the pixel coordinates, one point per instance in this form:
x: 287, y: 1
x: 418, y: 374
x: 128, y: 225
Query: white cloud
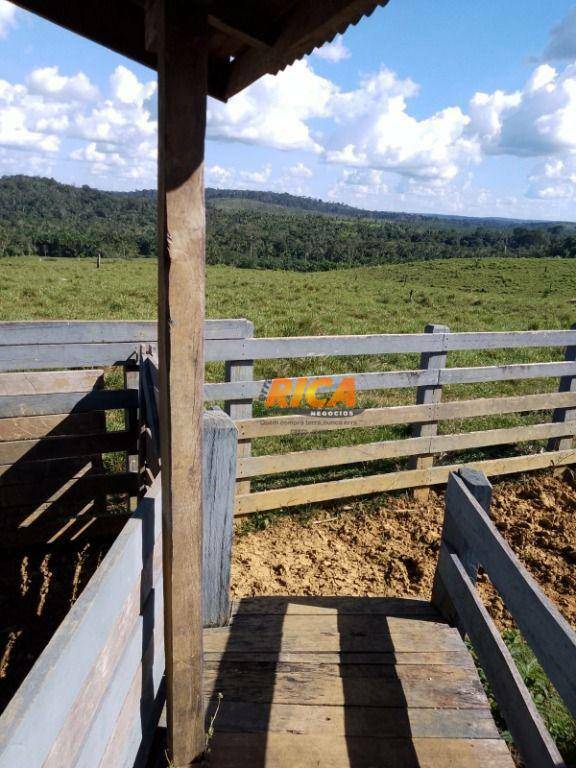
x: 539, y: 120
x: 48, y: 82
x: 127, y: 89
x: 299, y: 171
x: 555, y: 179
x: 274, y: 111
x: 114, y: 136
x: 562, y: 43
x: 257, y: 177
x: 360, y: 185
x: 216, y: 174
x: 333, y: 52
x: 376, y: 131
x: 7, y: 17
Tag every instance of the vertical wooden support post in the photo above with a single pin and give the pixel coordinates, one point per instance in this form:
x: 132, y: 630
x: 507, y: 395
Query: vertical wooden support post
x: 480, y: 487
x: 181, y: 34
x: 241, y: 370
x: 426, y: 395
x: 220, y: 454
x: 131, y: 421
x: 567, y: 384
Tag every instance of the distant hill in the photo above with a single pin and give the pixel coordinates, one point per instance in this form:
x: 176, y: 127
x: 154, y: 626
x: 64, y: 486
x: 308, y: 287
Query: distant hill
x: 250, y: 228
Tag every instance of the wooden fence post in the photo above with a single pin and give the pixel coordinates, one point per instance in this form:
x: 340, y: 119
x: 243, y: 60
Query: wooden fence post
x: 424, y: 396
x: 567, y: 384
x: 131, y: 422
x: 220, y: 452
x: 481, y: 488
x: 241, y: 370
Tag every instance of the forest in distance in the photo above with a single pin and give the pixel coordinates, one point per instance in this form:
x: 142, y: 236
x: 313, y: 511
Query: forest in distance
x: 261, y: 230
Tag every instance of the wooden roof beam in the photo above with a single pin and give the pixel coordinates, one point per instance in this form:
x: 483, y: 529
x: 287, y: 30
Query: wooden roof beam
x: 252, y: 36
x: 307, y: 23
x: 112, y: 23
x: 120, y: 26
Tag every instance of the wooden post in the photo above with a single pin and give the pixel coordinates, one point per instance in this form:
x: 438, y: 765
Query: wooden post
x: 241, y: 370
x: 131, y: 421
x: 480, y: 487
x: 425, y: 396
x: 220, y: 452
x: 181, y: 34
x: 567, y: 384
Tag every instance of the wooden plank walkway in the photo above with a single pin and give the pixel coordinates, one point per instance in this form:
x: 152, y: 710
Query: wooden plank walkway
x: 345, y: 683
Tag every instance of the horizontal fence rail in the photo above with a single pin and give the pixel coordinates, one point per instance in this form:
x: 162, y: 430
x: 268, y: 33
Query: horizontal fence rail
x: 470, y: 539
x: 425, y: 444
x: 381, y: 344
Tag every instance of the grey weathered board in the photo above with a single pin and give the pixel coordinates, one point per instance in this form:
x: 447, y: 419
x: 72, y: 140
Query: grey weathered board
x: 105, y: 331
x: 547, y: 632
x: 49, y: 702
x: 291, y: 702
x: 522, y: 718
x: 406, y: 379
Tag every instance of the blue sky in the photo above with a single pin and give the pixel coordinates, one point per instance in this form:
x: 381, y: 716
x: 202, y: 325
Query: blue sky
x: 429, y: 106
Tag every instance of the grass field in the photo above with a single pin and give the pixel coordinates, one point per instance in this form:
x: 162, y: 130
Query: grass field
x: 494, y: 294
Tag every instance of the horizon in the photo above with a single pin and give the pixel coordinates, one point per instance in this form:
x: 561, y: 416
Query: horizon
x: 375, y: 119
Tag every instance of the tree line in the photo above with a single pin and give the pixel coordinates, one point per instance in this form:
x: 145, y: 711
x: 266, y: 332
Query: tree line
x: 256, y: 229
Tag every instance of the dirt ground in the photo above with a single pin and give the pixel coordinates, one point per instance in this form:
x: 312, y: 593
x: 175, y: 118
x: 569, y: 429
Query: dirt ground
x: 388, y: 546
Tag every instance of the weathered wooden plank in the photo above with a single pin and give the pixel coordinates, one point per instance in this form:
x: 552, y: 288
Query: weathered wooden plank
x: 404, y: 414
x: 375, y: 722
x: 33, y: 357
x: 106, y: 331
x: 231, y: 669
x: 69, y: 488
x: 391, y: 481
x: 385, y: 343
x: 425, y: 395
x: 331, y: 634
x: 139, y: 652
x: 567, y: 384
x: 36, y: 714
x: 300, y: 605
x: 136, y: 724
x: 522, y: 718
x: 66, y: 447
x: 49, y: 382
x: 353, y: 454
x: 240, y: 370
x: 220, y: 441
x: 543, y: 626
x: 45, y: 405
x: 33, y: 427
x: 296, y: 750
x: 138, y: 617
x: 481, y: 488
x: 452, y: 658
x: 182, y: 34
x: 296, y: 685
x: 404, y: 379
x: 27, y: 472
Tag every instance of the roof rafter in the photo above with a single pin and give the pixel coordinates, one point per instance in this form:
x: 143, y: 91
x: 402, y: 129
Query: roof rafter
x: 309, y: 24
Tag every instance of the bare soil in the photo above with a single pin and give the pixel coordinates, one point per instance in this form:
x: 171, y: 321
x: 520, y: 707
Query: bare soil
x: 388, y: 546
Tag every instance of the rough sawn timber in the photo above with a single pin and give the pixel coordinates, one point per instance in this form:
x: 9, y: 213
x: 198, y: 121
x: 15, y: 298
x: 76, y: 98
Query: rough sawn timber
x: 342, y: 682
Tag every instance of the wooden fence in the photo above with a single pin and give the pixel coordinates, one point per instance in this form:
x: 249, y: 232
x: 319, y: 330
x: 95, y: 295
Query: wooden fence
x: 94, y: 697
x: 39, y: 345
x: 434, y: 347
x: 470, y: 539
